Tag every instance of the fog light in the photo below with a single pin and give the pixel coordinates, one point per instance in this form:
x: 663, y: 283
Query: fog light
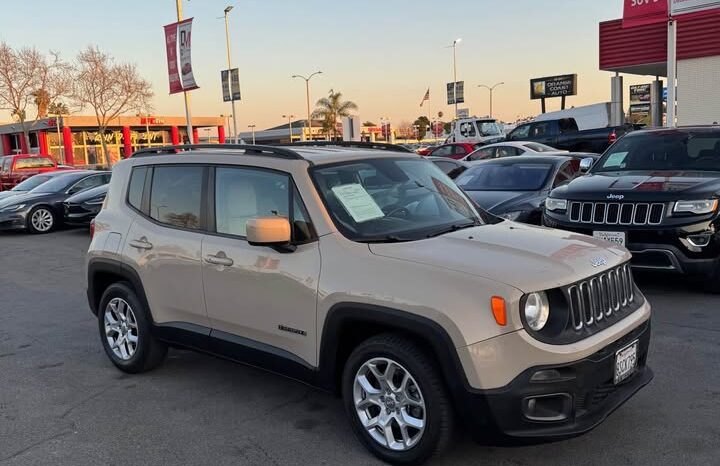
x: 699, y: 241
x: 548, y: 408
x: 553, y: 375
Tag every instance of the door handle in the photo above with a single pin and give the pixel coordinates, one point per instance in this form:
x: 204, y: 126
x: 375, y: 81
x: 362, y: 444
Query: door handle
x: 141, y: 243
x: 219, y: 259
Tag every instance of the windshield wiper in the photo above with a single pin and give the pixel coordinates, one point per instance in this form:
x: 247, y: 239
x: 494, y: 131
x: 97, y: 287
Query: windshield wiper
x: 386, y: 239
x: 453, y: 227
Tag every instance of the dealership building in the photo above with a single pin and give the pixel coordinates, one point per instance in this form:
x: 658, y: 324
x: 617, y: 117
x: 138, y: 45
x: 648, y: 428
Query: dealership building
x: 638, y: 45
x: 76, y: 140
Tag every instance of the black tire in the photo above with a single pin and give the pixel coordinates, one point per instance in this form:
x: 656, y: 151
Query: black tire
x: 149, y: 352
x: 440, y: 417
x: 29, y: 224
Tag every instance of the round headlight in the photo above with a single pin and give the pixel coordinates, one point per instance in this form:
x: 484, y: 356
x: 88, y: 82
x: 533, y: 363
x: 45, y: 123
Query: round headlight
x: 537, y: 310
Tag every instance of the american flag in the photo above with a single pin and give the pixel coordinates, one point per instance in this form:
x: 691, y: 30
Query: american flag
x: 427, y: 97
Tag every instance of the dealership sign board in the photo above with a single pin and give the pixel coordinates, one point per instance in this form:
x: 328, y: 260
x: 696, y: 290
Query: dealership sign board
x: 553, y: 86
x: 456, y: 93
x: 230, y: 81
x: 178, y: 48
x: 644, y: 12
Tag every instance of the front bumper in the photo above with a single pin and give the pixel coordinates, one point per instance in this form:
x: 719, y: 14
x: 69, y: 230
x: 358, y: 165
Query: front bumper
x: 658, y: 248
x: 13, y: 221
x: 584, y: 393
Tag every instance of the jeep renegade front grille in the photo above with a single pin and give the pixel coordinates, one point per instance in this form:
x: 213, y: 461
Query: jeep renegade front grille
x: 614, y: 213
x: 600, y: 297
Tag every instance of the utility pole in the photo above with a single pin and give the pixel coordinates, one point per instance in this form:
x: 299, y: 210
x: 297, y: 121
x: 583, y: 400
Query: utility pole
x: 189, y: 128
x: 308, y: 124
x: 491, y: 89
x: 227, y: 42
x: 252, y: 127
x: 290, y: 117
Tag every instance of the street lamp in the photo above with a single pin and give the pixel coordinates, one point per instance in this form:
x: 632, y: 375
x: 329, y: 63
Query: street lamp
x: 290, y: 117
x: 454, y: 47
x: 227, y: 43
x: 307, y: 98
x: 491, y: 89
x: 147, y: 126
x: 252, y: 127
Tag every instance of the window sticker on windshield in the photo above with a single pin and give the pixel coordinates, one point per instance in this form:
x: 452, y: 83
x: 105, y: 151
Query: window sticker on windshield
x: 616, y: 160
x: 358, y: 202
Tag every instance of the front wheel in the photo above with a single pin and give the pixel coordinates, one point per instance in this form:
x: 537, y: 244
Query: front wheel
x: 40, y: 220
x: 396, y: 401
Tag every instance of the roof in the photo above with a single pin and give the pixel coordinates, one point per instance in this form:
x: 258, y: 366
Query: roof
x: 314, y: 153
x: 696, y: 129
x: 529, y: 159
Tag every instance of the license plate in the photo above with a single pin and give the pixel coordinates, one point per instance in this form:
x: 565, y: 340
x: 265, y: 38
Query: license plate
x: 617, y: 237
x: 626, y: 361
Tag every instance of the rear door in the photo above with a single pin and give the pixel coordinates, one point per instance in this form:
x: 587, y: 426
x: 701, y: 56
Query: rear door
x: 164, y: 242
x: 259, y: 296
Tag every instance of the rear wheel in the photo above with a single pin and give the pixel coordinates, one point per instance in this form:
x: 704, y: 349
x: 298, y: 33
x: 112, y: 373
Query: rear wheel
x: 396, y: 401
x: 125, y: 331
x: 40, y: 220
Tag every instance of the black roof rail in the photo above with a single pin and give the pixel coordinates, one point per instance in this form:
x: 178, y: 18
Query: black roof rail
x: 249, y: 149
x: 351, y: 144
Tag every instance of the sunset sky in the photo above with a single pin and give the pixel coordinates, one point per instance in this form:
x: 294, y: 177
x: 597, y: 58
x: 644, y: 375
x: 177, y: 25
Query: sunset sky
x: 383, y: 55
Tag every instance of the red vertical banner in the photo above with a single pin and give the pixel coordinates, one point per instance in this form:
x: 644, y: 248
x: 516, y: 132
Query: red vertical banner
x: 171, y: 36
x: 643, y: 12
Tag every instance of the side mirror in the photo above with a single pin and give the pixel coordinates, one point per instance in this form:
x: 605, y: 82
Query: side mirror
x: 270, y: 231
x: 586, y: 164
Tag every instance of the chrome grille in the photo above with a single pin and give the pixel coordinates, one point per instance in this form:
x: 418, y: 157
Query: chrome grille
x: 600, y: 297
x: 615, y: 213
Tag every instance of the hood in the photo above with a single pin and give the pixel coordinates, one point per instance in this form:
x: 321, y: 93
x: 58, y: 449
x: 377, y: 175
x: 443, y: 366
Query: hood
x: 525, y: 257
x: 498, y: 202
x: 23, y: 197
x: 5, y: 194
x: 641, y: 186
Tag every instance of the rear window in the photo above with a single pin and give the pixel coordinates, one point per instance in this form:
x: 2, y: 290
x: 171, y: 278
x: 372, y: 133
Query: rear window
x: 505, y: 177
x: 33, y: 162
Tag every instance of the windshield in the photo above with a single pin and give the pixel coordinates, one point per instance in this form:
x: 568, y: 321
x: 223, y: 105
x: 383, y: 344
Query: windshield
x: 505, y: 177
x: 537, y: 147
x: 31, y: 183
x: 33, y: 162
x: 57, y: 184
x: 489, y: 128
x: 392, y: 199
x: 666, y: 150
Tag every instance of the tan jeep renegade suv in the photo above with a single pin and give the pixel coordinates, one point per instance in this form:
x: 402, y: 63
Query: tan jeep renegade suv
x: 367, y: 273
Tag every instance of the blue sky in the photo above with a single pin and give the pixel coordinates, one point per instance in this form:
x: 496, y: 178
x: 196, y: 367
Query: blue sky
x: 381, y: 54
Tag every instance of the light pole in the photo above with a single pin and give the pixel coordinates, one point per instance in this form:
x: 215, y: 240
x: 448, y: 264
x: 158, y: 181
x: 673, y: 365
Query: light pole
x: 454, y: 47
x: 290, y: 117
x: 147, y: 126
x: 491, y: 89
x: 252, y: 127
x: 227, y: 43
x: 308, y: 124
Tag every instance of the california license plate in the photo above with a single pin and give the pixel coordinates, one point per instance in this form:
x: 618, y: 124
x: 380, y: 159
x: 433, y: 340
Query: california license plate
x: 617, y: 237
x: 626, y: 362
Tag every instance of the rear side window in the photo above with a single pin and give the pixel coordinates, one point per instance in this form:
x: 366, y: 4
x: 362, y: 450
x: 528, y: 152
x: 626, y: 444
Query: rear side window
x: 33, y: 162
x: 135, y: 190
x: 176, y: 196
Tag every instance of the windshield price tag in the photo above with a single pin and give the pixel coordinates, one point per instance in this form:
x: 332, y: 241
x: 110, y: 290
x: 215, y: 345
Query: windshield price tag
x: 358, y: 202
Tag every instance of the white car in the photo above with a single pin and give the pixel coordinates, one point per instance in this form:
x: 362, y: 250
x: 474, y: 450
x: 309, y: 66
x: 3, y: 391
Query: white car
x: 509, y: 149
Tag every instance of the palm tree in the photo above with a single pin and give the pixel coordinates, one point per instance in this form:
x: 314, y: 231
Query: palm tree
x: 329, y: 109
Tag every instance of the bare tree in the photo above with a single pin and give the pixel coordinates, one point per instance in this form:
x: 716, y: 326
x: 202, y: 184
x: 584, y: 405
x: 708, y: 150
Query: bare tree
x: 109, y: 88
x: 29, y: 79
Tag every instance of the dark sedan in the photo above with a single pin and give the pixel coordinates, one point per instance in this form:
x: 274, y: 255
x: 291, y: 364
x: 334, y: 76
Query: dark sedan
x: 31, y: 183
x: 515, y: 188
x: 81, y: 208
x: 41, y: 209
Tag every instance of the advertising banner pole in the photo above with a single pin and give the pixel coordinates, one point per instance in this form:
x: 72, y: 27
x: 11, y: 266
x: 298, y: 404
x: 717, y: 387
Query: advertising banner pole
x: 189, y: 127
x: 672, y: 70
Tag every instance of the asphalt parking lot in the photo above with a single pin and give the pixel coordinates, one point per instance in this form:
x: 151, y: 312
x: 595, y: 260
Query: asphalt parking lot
x: 63, y: 403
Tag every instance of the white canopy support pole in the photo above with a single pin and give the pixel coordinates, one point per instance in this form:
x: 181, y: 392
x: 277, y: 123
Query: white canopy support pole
x: 672, y: 72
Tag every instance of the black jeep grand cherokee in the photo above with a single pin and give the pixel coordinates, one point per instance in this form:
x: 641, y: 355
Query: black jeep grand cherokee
x: 656, y: 192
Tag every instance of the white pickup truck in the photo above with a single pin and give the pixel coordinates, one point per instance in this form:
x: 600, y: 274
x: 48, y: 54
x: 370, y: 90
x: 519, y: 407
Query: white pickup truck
x: 477, y: 130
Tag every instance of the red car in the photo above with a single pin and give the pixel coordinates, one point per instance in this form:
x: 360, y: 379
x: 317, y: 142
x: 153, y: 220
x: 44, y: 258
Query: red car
x: 15, y: 169
x: 455, y: 150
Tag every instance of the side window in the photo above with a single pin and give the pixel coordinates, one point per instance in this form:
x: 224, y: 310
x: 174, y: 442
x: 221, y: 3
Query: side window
x: 482, y: 154
x: 467, y: 129
x: 135, y: 189
x: 444, y: 151
x: 7, y: 161
x: 87, y: 183
x: 506, y: 151
x: 242, y: 194
x: 540, y: 129
x: 460, y: 150
x: 519, y: 133
x: 176, y: 196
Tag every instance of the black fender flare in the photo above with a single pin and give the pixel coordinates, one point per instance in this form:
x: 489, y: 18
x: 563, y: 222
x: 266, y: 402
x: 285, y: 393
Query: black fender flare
x: 99, y: 266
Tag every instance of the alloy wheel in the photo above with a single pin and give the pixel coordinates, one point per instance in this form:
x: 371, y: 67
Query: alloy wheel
x: 389, y: 404
x: 42, y: 220
x: 121, y: 329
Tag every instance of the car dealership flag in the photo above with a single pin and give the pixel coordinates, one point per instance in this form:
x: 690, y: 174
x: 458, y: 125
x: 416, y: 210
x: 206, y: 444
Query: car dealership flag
x: 171, y: 48
x: 426, y: 98
x: 184, y: 34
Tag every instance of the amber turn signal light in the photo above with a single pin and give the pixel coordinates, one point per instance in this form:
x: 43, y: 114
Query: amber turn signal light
x: 499, y: 310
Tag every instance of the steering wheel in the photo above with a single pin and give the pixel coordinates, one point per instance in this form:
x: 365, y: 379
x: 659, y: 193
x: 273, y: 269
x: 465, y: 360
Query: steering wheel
x: 394, y: 210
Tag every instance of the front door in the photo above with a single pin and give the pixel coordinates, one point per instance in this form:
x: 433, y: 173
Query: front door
x: 264, y: 296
